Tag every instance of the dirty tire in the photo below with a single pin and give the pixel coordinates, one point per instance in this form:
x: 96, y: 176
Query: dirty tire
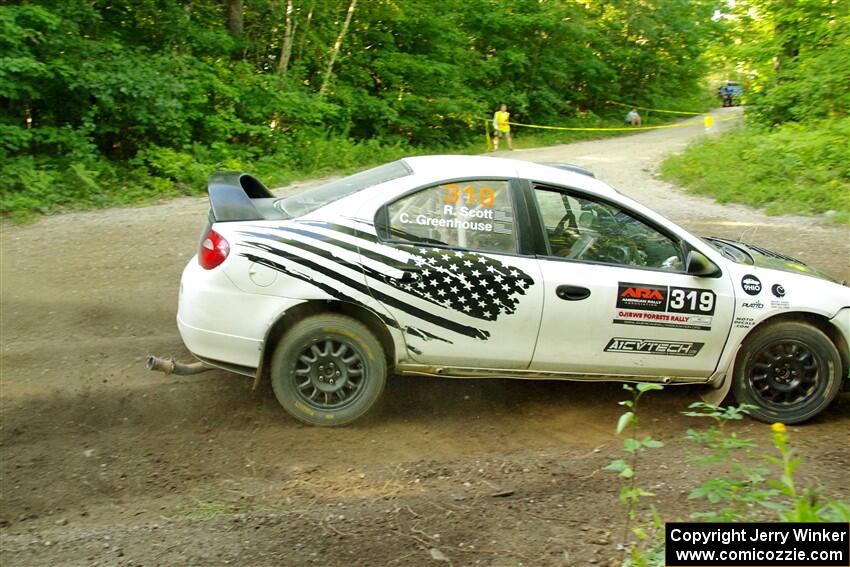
x: 789, y: 370
x: 328, y: 370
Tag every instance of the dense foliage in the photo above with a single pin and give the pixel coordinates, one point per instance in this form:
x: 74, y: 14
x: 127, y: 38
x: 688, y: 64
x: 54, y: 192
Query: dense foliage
x: 793, y: 56
x: 109, y: 101
x: 792, y: 157
x: 794, y: 168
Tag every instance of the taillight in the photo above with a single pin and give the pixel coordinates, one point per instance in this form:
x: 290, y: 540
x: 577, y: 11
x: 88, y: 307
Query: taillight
x: 214, y: 250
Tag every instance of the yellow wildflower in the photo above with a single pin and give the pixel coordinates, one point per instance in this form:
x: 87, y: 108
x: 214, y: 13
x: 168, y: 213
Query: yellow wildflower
x: 778, y: 427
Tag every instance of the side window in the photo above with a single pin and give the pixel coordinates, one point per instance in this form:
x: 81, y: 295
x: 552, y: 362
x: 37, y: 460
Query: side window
x: 468, y: 214
x: 583, y: 229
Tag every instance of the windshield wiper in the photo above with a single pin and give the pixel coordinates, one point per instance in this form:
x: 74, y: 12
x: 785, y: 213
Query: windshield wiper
x: 726, y: 247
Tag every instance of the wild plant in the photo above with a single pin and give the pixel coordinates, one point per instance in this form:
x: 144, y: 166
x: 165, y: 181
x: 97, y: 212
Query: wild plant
x: 745, y: 485
x: 631, y: 493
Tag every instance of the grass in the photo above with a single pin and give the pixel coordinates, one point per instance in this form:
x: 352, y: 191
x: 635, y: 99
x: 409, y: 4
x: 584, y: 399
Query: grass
x: 792, y: 169
x: 206, y: 510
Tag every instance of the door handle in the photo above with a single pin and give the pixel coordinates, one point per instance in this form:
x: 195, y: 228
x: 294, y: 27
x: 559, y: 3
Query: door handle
x: 572, y: 292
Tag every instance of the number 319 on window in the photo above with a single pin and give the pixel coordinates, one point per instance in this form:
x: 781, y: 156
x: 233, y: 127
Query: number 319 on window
x: 485, y: 196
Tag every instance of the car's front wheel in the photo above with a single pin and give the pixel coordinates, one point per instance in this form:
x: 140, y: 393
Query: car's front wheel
x: 789, y: 370
x: 328, y: 370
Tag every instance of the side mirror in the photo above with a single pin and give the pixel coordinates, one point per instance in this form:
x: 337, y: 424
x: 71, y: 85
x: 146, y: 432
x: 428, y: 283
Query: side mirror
x: 698, y: 265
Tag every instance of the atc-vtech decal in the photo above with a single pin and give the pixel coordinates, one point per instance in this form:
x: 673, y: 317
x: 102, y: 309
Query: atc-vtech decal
x: 664, y: 306
x: 651, y: 346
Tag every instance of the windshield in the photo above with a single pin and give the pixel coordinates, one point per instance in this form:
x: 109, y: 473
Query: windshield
x: 308, y: 201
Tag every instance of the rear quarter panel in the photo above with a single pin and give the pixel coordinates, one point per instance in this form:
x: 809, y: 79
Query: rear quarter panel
x: 305, y: 259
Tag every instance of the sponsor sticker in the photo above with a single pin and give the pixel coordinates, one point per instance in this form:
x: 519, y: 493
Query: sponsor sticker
x: 644, y: 319
x: 777, y: 290
x: 752, y: 304
x: 700, y: 320
x: 650, y: 346
x: 642, y: 296
x: 662, y: 306
x: 751, y: 285
x: 743, y: 322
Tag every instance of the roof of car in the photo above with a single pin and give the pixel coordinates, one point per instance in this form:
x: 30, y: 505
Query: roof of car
x: 460, y: 166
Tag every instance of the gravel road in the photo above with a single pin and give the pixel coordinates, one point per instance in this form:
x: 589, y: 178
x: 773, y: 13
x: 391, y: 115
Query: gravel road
x: 104, y: 463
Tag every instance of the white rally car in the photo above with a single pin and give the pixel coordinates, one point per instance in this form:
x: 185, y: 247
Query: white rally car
x: 483, y: 267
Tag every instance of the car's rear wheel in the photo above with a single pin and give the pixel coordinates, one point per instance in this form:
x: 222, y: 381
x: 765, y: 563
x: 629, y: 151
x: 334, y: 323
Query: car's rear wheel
x: 328, y: 370
x: 789, y: 370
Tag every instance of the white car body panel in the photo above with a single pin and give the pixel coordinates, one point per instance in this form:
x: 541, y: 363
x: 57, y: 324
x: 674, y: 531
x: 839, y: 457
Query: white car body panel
x: 802, y: 294
x: 617, y: 342
x: 273, y: 241
x: 211, y: 316
x: 505, y: 346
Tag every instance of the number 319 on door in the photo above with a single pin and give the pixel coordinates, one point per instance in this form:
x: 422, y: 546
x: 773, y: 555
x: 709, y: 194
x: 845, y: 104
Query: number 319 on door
x: 689, y: 300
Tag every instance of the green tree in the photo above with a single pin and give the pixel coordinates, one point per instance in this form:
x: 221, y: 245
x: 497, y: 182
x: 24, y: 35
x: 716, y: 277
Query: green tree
x: 161, y: 92
x: 794, y: 54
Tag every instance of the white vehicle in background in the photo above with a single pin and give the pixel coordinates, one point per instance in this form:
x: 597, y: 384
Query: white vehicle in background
x: 483, y: 267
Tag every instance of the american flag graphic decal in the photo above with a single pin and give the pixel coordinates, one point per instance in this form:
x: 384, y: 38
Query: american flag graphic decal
x: 469, y: 283
x: 463, y: 282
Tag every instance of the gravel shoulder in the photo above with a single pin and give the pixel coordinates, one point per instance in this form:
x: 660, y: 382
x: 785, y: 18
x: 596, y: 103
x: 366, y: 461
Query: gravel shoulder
x: 105, y: 463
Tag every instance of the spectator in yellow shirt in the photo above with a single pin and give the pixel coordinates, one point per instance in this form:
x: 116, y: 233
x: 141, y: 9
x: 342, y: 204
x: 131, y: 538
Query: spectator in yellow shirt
x: 501, y: 128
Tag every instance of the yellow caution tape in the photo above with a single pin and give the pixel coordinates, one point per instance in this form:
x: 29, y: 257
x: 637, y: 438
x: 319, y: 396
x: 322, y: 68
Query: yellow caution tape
x: 620, y: 129
x: 707, y: 122
x: 654, y: 109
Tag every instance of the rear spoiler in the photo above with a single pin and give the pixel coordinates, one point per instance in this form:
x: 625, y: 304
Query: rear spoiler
x: 231, y: 196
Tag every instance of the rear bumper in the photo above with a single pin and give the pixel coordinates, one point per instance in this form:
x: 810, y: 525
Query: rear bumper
x: 220, y: 322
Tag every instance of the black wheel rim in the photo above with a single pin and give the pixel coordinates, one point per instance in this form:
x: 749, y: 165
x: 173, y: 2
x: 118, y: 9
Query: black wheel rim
x: 329, y: 374
x: 785, y: 374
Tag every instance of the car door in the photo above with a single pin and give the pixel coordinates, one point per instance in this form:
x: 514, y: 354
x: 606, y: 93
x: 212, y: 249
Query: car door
x: 460, y: 289
x: 617, y: 300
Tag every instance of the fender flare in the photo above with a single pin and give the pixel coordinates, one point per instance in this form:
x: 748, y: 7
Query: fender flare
x: 718, y: 391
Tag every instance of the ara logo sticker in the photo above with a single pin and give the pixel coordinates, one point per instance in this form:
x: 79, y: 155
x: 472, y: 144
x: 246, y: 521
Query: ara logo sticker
x: 751, y: 285
x: 642, y: 296
x: 643, y: 293
x: 649, y: 346
x: 778, y: 290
